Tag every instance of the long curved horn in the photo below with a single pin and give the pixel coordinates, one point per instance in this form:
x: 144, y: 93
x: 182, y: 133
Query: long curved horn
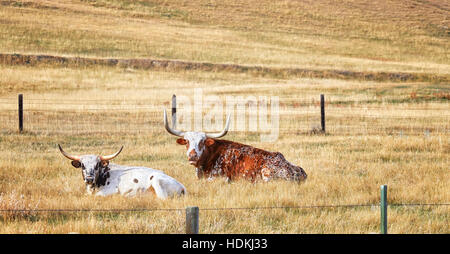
x: 68, y: 156
x: 223, y: 133
x: 170, y: 130
x: 110, y: 157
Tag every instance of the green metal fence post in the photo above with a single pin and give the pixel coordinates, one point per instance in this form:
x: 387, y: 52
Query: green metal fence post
x: 383, y: 207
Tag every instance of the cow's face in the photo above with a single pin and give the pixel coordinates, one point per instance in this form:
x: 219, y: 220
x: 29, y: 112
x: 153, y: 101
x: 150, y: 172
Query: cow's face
x: 197, y: 144
x: 91, y: 167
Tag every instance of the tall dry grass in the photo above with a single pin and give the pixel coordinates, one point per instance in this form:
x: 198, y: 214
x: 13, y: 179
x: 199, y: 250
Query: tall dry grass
x: 391, y: 36
x: 377, y: 134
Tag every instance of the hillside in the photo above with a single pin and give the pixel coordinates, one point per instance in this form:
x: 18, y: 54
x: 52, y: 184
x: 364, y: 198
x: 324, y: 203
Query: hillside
x: 360, y: 35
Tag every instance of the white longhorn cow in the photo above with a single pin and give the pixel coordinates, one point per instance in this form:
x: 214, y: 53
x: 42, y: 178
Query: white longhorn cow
x: 107, y: 178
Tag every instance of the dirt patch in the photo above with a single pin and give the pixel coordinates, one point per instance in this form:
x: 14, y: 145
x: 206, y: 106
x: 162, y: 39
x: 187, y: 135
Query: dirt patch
x: 27, y: 5
x: 174, y: 65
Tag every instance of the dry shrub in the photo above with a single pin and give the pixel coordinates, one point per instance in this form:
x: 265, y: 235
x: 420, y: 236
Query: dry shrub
x: 442, y: 95
x: 15, y: 206
x: 315, y: 129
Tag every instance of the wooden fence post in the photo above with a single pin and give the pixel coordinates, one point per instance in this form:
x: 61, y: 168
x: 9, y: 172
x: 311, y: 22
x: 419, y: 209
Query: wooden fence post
x: 322, y: 112
x: 383, y: 208
x: 192, y: 220
x: 174, y: 111
x: 20, y: 112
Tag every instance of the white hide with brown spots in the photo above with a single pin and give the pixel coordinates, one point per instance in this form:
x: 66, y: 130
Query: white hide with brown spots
x: 130, y: 181
x: 104, y: 178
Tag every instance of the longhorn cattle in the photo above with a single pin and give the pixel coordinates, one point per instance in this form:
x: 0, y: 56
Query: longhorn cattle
x: 106, y: 178
x: 213, y: 157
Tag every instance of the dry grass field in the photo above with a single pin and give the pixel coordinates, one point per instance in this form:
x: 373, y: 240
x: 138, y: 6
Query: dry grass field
x: 378, y: 131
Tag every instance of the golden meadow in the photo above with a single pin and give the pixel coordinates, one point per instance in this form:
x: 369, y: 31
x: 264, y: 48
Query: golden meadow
x: 379, y: 131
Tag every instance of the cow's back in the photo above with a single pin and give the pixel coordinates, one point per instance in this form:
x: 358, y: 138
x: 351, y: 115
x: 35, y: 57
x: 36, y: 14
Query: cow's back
x: 131, y: 180
x: 235, y: 160
x: 277, y: 167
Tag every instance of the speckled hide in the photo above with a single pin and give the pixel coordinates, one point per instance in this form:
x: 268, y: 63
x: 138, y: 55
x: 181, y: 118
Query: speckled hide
x: 234, y: 160
x: 104, y: 178
x: 130, y: 181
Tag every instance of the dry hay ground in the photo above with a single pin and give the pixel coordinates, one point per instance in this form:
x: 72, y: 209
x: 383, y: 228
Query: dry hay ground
x: 379, y: 131
x: 377, y: 134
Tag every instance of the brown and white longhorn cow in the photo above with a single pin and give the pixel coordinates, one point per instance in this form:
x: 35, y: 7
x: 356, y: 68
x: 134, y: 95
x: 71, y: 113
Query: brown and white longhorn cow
x: 213, y: 157
x: 107, y: 178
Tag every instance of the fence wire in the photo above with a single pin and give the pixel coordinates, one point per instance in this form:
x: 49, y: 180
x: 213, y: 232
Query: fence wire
x: 218, y: 208
x: 296, y: 117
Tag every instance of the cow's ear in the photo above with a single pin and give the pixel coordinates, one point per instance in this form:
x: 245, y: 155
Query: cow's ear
x: 209, y: 142
x: 76, y: 164
x: 182, y: 141
x: 105, y: 163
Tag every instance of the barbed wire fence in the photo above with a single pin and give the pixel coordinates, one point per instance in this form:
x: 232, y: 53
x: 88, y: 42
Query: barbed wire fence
x: 193, y: 213
x: 223, y: 208
x: 100, y: 116
x: 297, y: 116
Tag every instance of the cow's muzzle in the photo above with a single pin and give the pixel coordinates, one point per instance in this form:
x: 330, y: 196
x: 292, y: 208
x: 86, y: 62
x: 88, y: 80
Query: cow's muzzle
x: 193, y: 161
x: 89, y: 180
x: 193, y: 158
